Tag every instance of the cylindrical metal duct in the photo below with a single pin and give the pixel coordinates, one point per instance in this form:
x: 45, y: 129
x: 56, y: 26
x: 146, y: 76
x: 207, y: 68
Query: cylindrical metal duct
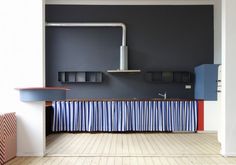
x: 123, y: 57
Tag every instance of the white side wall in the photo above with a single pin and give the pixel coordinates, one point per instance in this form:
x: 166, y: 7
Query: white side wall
x: 228, y: 77
x: 217, y: 32
x: 22, y: 65
x: 212, y: 108
x: 211, y: 116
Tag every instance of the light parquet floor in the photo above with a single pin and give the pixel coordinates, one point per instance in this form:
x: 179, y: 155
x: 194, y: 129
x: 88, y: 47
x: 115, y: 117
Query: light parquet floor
x: 132, y: 144
x: 130, y: 149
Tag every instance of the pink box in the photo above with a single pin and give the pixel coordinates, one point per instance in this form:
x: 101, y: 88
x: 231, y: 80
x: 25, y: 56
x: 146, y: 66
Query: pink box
x: 7, y: 137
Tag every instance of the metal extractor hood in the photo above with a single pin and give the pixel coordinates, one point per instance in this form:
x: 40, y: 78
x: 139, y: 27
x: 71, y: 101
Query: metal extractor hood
x: 123, y: 62
x: 123, y: 48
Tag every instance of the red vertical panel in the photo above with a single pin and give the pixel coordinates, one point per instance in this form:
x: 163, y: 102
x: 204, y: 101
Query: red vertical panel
x: 200, y: 126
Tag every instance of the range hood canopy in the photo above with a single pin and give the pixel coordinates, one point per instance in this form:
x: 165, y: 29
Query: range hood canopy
x: 124, y: 71
x: 123, y: 48
x: 123, y: 62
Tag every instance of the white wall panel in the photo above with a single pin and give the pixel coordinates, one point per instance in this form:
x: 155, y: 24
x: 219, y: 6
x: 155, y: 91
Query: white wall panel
x: 22, y: 65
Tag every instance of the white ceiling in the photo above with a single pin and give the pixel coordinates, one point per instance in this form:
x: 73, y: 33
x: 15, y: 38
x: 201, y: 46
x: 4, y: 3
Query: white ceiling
x: 131, y: 2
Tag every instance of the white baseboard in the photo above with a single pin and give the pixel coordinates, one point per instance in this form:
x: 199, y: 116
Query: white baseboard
x: 30, y: 154
x: 207, y: 132
x: 233, y: 154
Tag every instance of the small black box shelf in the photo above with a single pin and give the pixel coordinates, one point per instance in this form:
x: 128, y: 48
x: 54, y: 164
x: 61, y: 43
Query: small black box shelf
x: 79, y: 76
x: 169, y: 76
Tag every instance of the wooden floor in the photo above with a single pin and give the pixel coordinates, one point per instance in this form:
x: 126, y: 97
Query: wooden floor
x: 132, y: 144
x: 134, y: 149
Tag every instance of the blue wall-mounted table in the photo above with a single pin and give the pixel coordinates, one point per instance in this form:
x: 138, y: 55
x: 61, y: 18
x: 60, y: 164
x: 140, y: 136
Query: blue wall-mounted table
x: 42, y: 93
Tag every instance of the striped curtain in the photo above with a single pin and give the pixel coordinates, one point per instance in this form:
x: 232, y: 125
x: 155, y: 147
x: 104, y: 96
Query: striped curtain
x: 120, y: 116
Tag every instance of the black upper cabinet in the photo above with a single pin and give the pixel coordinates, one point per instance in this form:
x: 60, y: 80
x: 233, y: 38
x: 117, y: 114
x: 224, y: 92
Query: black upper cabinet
x: 79, y: 77
x: 169, y: 76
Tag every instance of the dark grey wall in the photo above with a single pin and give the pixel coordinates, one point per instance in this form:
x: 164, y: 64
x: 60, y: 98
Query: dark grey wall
x: 158, y: 37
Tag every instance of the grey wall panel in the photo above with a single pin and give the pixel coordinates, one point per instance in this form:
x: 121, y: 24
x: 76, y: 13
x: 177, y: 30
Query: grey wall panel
x: 158, y: 37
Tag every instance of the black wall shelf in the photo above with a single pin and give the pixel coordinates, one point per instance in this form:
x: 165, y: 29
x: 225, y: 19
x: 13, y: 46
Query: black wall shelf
x: 169, y: 77
x: 79, y: 77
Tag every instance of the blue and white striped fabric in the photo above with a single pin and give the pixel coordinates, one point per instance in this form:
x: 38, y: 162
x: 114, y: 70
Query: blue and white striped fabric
x: 120, y: 116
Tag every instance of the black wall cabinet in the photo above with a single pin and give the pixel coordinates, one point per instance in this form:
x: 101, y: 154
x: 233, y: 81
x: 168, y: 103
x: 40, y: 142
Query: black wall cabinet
x: 79, y: 77
x: 169, y: 76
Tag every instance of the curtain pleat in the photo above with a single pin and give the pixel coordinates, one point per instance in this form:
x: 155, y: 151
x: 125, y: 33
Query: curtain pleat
x: 121, y: 116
